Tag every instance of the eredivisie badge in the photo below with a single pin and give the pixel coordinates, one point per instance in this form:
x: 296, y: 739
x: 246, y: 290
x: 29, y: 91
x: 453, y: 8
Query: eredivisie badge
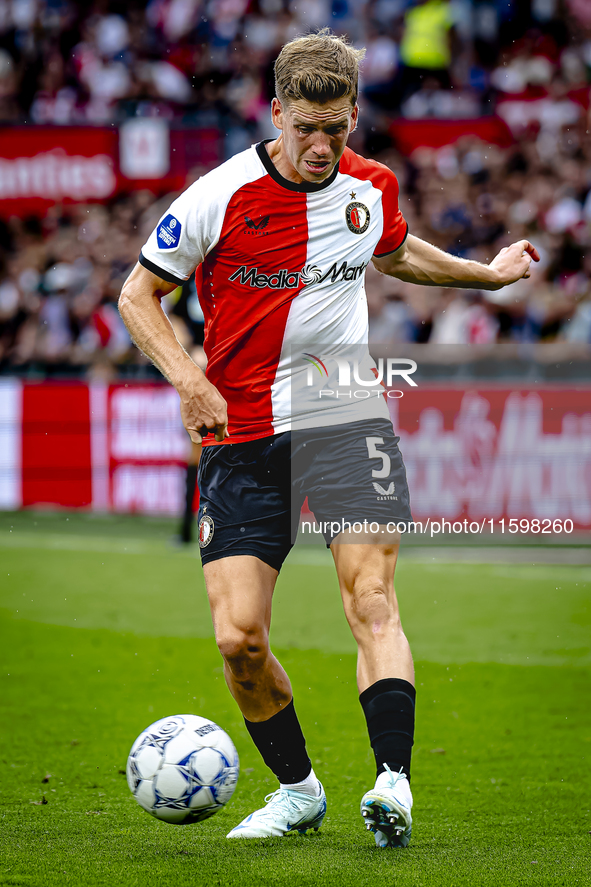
x: 357, y: 215
x: 206, y: 528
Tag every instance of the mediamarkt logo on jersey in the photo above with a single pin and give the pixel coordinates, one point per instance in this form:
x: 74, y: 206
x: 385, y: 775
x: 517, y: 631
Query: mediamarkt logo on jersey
x: 284, y: 279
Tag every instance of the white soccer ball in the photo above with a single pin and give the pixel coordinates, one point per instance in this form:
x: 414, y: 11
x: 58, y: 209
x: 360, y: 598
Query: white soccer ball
x: 182, y: 769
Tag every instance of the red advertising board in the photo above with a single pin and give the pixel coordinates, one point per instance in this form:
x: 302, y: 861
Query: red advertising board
x: 56, y: 453
x: 146, y: 449
x: 488, y: 453
x: 411, y: 134
x: 40, y: 166
x: 44, y: 165
x: 476, y: 453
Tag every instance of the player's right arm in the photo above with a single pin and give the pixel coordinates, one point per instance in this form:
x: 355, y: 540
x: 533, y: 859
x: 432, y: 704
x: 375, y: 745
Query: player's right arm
x: 139, y: 305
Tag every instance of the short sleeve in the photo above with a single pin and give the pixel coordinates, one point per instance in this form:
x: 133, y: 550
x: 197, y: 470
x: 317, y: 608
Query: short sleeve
x: 183, y: 236
x: 192, y: 225
x: 395, y: 227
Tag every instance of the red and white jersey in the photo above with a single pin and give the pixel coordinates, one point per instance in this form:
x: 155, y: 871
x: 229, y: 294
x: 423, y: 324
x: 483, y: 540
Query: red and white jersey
x: 280, y: 276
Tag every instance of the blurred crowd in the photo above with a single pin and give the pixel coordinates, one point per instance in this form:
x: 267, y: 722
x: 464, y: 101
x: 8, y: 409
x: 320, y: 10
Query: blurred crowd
x: 473, y: 200
x: 60, y: 279
x: 209, y: 62
x: 102, y: 61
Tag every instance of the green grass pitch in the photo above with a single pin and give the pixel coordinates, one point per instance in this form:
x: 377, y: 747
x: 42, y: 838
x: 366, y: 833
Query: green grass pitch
x: 105, y: 628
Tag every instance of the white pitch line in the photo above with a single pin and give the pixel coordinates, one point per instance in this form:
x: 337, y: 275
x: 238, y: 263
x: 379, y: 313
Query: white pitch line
x: 496, y: 555
x: 100, y: 544
x: 305, y: 555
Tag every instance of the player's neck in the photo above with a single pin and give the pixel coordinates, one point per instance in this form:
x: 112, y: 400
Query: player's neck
x: 281, y: 162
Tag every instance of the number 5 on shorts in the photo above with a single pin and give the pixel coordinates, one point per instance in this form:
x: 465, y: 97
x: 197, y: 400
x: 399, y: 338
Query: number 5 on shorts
x: 374, y: 453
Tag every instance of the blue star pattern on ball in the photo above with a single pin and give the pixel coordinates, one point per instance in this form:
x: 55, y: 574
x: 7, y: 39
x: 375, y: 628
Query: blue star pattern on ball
x: 182, y: 769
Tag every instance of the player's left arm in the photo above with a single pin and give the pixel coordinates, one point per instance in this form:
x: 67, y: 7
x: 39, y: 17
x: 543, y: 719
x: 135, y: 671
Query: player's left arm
x: 417, y: 261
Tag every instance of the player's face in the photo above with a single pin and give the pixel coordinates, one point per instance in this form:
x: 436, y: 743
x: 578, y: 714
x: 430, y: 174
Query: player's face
x: 313, y: 137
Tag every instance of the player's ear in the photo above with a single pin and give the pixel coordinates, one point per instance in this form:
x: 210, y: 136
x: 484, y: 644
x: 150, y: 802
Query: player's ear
x: 277, y: 113
x: 354, y: 118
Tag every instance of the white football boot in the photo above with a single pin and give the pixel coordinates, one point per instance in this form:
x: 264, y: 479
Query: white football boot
x: 386, y: 809
x: 286, y: 811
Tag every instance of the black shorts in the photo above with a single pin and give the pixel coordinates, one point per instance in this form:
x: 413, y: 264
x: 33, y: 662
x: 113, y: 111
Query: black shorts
x: 251, y: 493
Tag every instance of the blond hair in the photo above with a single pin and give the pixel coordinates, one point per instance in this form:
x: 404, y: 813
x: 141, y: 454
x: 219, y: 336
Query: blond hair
x: 319, y: 67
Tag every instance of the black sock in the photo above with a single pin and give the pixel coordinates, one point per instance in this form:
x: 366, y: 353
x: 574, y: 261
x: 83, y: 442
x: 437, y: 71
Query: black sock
x: 281, y: 743
x: 389, y: 708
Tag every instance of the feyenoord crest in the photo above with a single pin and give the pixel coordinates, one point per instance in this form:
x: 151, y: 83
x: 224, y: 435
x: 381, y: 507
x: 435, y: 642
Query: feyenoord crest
x: 206, y: 528
x: 357, y: 215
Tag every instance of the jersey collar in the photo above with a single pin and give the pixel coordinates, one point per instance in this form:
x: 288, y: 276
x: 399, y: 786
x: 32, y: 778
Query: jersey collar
x: 285, y: 183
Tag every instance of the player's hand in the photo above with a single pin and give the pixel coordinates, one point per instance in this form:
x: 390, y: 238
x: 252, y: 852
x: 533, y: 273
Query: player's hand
x: 203, y: 408
x: 513, y: 262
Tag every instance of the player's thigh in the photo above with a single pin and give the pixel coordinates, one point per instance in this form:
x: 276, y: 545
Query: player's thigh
x: 356, y: 484
x: 245, y: 501
x: 240, y: 591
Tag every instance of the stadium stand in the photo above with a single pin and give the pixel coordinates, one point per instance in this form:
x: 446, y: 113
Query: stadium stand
x: 488, y: 133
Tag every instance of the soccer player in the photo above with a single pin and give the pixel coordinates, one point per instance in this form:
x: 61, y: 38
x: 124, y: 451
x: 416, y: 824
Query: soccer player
x: 280, y: 236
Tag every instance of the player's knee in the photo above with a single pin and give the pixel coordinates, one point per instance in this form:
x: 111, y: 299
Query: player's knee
x: 243, y: 650
x: 373, y: 603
